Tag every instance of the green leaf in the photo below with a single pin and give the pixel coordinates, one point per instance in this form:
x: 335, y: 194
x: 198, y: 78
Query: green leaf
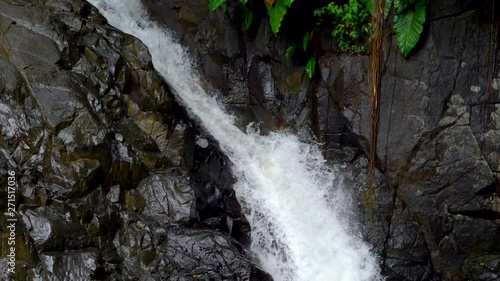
x: 409, y: 26
x: 311, y: 67
x: 288, y: 3
x: 243, y: 1
x: 290, y: 50
x: 214, y: 4
x: 401, y: 6
x: 388, y: 5
x: 370, y: 6
x: 354, y: 5
x: 305, y: 41
x: 276, y: 15
x: 319, y: 12
x: 247, y: 20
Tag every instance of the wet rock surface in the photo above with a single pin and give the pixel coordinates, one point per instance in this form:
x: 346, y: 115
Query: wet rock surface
x: 435, y: 147
x: 115, y: 181
x: 248, y: 71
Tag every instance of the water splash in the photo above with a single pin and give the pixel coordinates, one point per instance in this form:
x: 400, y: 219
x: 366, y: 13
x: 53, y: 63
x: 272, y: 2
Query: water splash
x: 286, y: 189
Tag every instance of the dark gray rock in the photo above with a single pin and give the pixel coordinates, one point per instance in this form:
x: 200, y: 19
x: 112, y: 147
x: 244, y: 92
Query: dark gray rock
x: 260, y: 93
x: 177, y: 253
x: 437, y: 143
x: 407, y: 256
x: 103, y: 153
x: 68, y: 265
x: 167, y: 196
x: 55, y: 228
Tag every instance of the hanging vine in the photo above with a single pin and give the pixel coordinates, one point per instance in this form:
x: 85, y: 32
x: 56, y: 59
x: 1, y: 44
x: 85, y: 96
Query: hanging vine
x: 377, y: 56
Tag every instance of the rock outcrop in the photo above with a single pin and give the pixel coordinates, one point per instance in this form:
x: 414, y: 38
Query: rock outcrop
x: 115, y: 182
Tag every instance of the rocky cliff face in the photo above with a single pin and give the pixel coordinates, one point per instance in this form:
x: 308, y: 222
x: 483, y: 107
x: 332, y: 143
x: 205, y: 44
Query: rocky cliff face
x: 438, y: 147
x: 116, y: 182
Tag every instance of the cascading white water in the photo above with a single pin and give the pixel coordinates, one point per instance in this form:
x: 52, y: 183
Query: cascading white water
x: 285, y: 186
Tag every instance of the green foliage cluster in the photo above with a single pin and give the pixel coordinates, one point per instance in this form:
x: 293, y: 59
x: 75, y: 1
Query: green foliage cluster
x: 311, y: 63
x: 350, y: 21
x: 276, y: 9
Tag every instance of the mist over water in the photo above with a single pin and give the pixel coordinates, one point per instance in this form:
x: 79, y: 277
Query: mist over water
x: 289, y: 195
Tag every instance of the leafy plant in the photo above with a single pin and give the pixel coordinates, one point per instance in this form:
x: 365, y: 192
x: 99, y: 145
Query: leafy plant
x: 408, y: 23
x: 350, y: 22
x: 277, y: 12
x: 247, y: 18
x: 276, y: 9
x: 311, y: 62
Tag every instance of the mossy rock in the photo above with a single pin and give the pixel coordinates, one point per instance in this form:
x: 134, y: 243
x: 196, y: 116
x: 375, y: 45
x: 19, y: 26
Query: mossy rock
x: 134, y: 201
x: 87, y: 172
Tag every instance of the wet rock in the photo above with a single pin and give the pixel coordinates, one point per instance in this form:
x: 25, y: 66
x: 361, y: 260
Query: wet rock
x: 407, y: 256
x: 87, y: 171
x: 186, y: 14
x: 167, y: 196
x: 194, y: 246
x: 179, y: 253
x: 54, y: 228
x: 375, y: 205
x: 84, y: 131
x: 69, y: 265
x: 153, y: 125
x: 93, y: 132
x: 264, y: 35
x: 114, y: 194
x: 437, y: 142
x: 135, y: 136
x: 457, y: 181
x: 260, y: 92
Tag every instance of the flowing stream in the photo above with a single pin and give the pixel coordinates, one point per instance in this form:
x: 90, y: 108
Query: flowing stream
x: 289, y: 195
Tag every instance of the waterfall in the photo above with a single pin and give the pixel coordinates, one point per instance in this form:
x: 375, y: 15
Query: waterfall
x: 289, y: 195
